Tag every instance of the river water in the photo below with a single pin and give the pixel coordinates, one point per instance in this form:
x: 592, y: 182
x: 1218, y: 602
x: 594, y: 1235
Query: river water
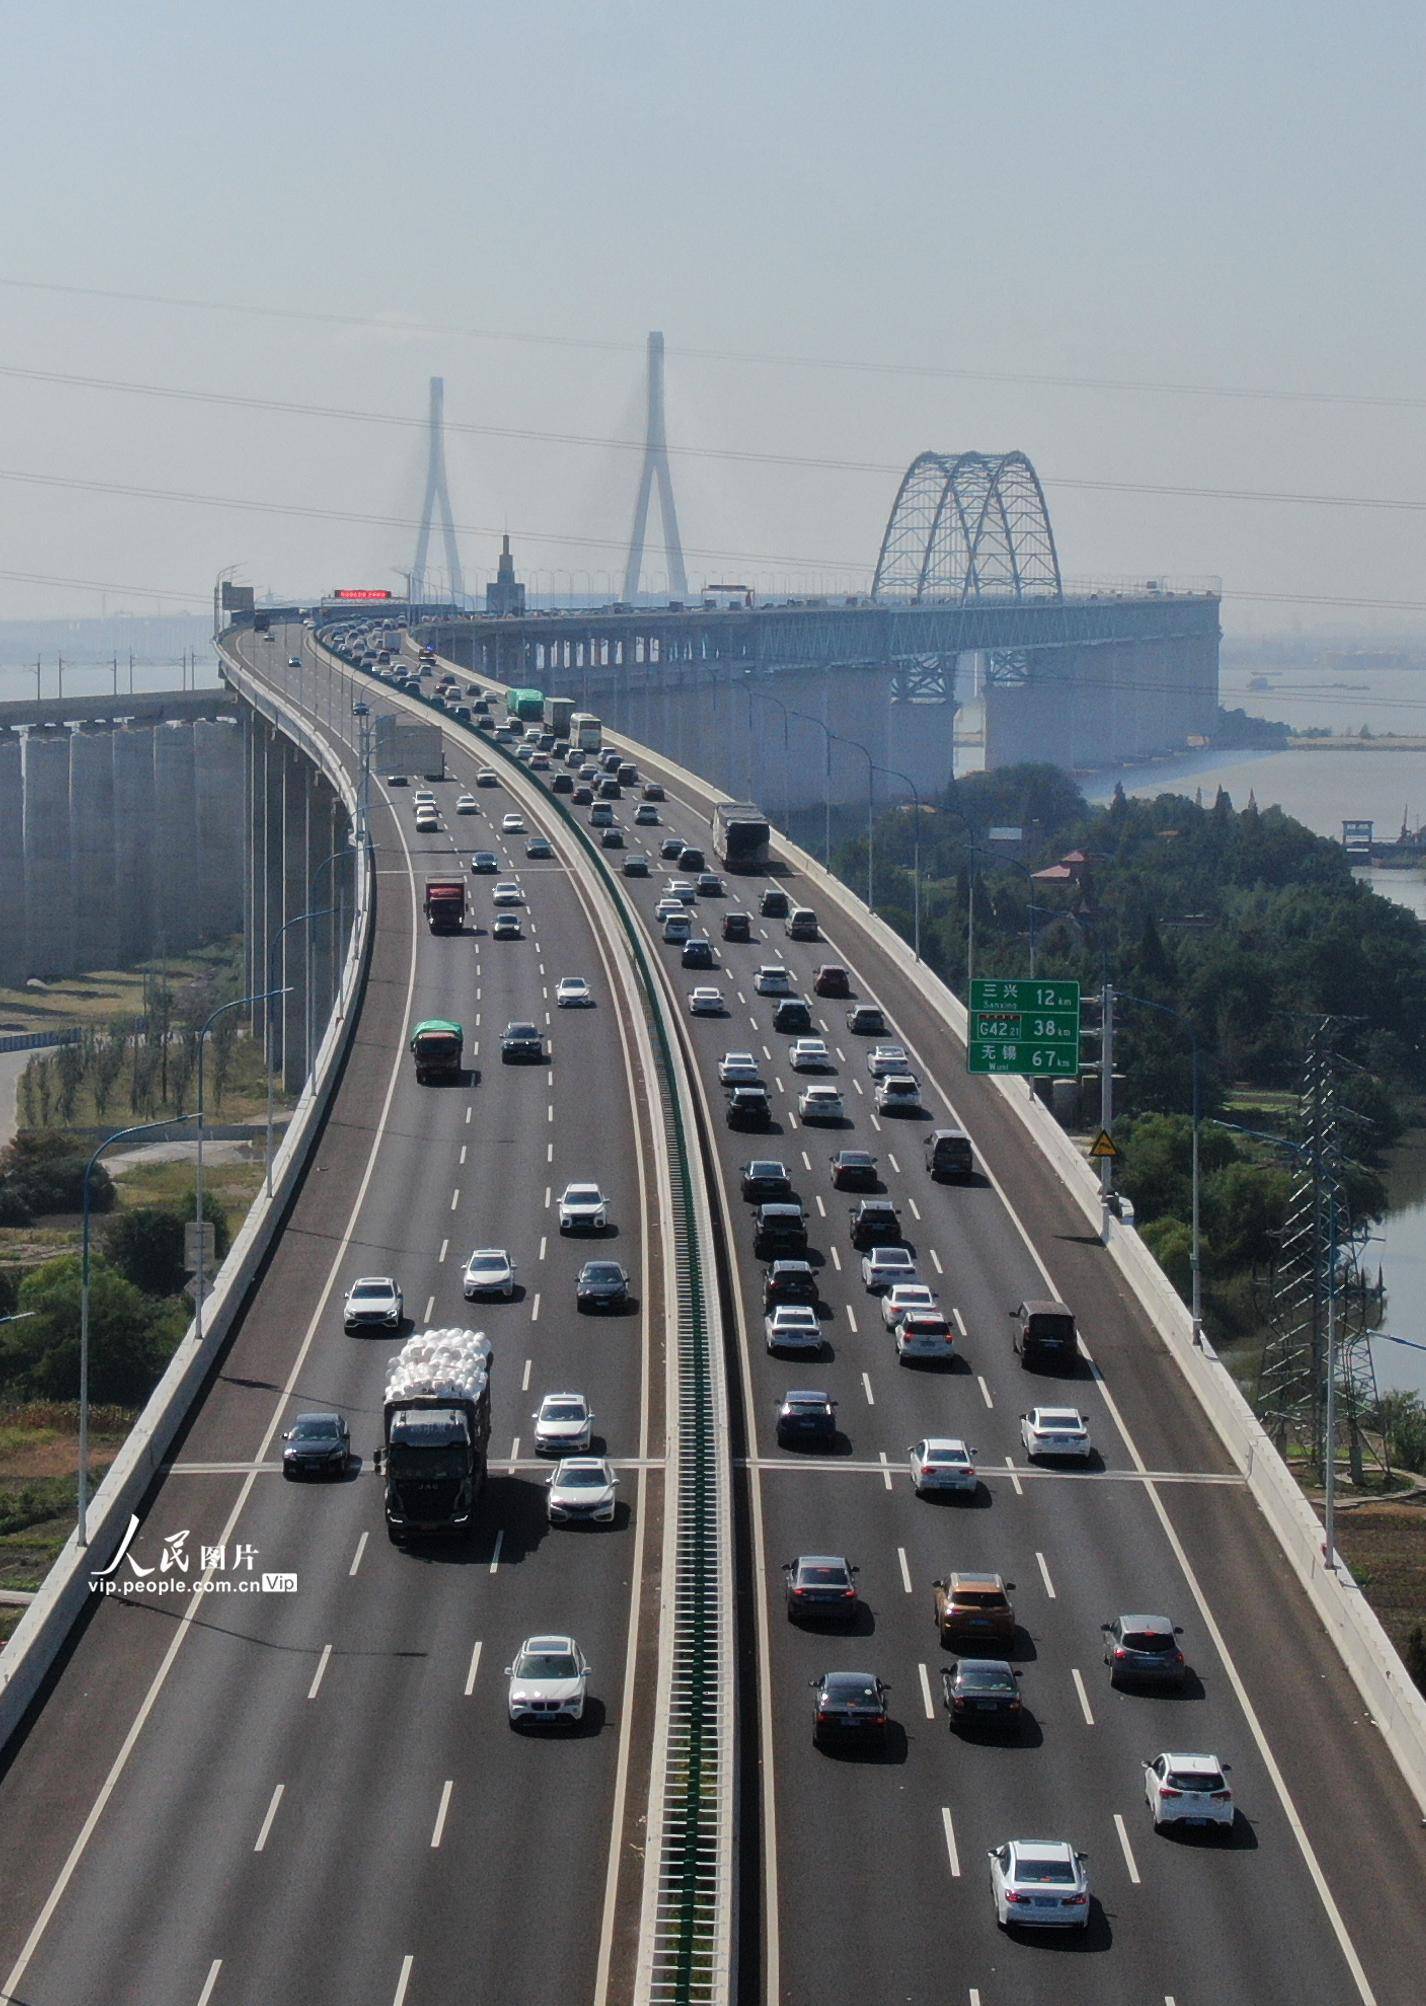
x: 1322, y: 790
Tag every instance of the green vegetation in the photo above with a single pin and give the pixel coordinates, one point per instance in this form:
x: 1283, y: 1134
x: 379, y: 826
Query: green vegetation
x: 105, y: 993
x: 45, y: 1173
x: 131, y: 1335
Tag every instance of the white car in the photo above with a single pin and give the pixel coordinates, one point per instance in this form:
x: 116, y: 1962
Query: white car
x: 373, y: 1299
x: 1188, y: 1790
x: 680, y: 891
x: 793, y: 1327
x: 1039, y: 1884
x: 489, y: 1272
x: 923, y: 1333
x: 582, y: 1209
x: 883, y: 1059
x: 572, y: 992
x: 428, y: 822
x: 883, y: 1267
x: 512, y: 825
x: 466, y: 804
x: 486, y: 776
x: 563, y: 1423
x: 668, y: 909
x: 821, y: 1104
x: 548, y: 1681
x: 903, y: 1297
x: 506, y: 893
x: 1056, y: 1431
x: 772, y: 979
x: 810, y: 1055
x: 738, y: 1069
x: 293, y: 662
x: 582, y: 1489
x: 423, y: 798
x: 898, y: 1093
x: 705, y: 1002
x: 942, y: 1463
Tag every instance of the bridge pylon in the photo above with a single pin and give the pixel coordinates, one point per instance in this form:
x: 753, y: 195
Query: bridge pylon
x: 655, y: 472
x: 437, y: 502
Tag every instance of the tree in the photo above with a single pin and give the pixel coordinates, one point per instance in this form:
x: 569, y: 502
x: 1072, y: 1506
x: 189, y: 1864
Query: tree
x: 145, y: 1244
x: 224, y: 1042
x: 69, y: 1064
x: 130, y: 1338
x: 41, y: 1171
x: 108, y: 1064
x: 1171, y: 1244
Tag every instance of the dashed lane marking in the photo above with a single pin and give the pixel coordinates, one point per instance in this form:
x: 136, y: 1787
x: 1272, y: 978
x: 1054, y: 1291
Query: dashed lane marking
x: 317, y: 1675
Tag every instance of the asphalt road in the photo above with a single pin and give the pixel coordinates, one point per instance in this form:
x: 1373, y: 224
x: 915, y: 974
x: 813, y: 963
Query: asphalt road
x: 876, y: 1879
x: 315, y: 1794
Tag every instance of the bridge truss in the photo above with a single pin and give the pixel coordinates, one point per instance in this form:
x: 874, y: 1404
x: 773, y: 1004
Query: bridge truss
x: 966, y: 526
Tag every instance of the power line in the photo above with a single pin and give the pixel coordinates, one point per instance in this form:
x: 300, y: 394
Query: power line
x: 742, y: 455
x: 934, y: 371
x: 199, y: 594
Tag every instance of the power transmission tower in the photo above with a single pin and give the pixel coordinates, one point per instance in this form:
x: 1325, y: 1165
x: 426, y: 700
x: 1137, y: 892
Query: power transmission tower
x: 655, y: 469
x: 1317, y: 1382
x: 438, y: 499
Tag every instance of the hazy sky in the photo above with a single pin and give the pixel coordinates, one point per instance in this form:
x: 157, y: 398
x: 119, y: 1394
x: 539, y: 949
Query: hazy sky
x: 1218, y: 195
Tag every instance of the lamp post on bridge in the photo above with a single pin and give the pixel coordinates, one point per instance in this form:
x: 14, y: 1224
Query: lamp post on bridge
x: 296, y: 920
x: 893, y: 773
x: 198, y: 1221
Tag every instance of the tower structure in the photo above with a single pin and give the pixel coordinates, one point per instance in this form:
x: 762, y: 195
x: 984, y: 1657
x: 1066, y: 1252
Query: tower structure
x: 505, y: 593
x: 655, y: 473
x: 437, y: 503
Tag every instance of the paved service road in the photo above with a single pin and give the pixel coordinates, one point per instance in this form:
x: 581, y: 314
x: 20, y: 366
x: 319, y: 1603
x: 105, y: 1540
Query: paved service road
x: 315, y: 1795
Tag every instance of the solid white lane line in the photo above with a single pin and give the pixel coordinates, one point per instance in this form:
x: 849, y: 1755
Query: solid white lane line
x: 535, y: 1311
x: 462, y: 1156
x: 893, y: 1162
x: 399, y: 1998
x: 495, y: 1556
x: 267, y: 1821
x: 317, y: 1675
x: 836, y: 1260
x: 1015, y: 1481
x: 455, y: 1198
x: 525, y: 1381
x: 430, y: 1305
x: 1045, y: 1576
x: 852, y: 1318
x: 905, y: 1570
x: 441, y: 1810
x: 952, y: 1855
x: 866, y: 1384
x: 210, y: 1981
x: 936, y: 1262
x: 360, y: 1550
x: 915, y: 1208
x: 821, y: 1208
x: 1128, y: 1852
x: 885, y: 1469
x: 926, y: 1699
x: 984, y: 1389
x: 474, y: 1668
x: 1083, y: 1696
x: 445, y: 1244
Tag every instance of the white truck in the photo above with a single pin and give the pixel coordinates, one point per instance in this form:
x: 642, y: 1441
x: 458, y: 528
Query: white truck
x: 585, y: 731
x: 436, y: 1430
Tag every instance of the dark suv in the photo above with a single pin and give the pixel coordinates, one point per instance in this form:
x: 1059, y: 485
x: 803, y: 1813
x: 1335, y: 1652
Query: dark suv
x: 774, y: 904
x: 737, y: 926
x: 1044, y: 1334
x: 748, y: 1107
x: 789, y: 1282
x: 780, y: 1228
x: 792, y: 1014
x: 975, y: 1608
x: 1143, y: 1650
x: 764, y: 1180
x: 806, y: 1420
x: 522, y: 1042
x: 876, y: 1223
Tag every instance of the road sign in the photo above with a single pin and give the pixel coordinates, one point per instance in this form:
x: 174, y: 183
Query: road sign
x: 1031, y: 1028
x: 191, y: 1231
x: 1104, y: 1144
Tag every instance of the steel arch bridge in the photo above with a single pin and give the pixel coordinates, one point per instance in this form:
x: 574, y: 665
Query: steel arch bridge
x: 968, y: 526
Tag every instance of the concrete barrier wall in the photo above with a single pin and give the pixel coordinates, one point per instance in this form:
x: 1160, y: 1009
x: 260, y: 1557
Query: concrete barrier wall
x: 47, y: 1622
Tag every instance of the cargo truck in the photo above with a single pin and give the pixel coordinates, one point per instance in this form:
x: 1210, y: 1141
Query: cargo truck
x: 445, y: 904
x: 527, y: 705
x: 585, y: 731
x: 435, y: 1433
x: 436, y: 1046
x: 558, y: 713
x: 740, y: 835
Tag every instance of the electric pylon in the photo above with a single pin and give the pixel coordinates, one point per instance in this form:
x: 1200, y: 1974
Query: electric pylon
x: 438, y: 500
x: 655, y: 469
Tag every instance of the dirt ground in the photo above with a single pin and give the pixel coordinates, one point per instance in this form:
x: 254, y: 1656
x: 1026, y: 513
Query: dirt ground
x: 1385, y: 1547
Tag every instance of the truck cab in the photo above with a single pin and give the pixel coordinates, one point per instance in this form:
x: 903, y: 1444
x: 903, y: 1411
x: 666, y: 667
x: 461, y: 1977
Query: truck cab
x: 436, y: 1047
x: 445, y: 904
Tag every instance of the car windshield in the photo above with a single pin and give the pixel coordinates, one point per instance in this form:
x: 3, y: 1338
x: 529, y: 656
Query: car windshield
x: 1194, y: 1780
x: 546, y: 1665
x: 980, y: 1598
x: 1153, y: 1642
x: 822, y: 1577
x: 582, y: 1194
x: 946, y: 1456
x: 586, y: 1479
x: 984, y: 1679
x: 1045, y: 1873
x: 603, y: 1271
x: 852, y: 1691
x: 562, y: 1410
x: 374, y: 1290
x: 314, y: 1431
x: 522, y: 1031
x: 487, y: 1264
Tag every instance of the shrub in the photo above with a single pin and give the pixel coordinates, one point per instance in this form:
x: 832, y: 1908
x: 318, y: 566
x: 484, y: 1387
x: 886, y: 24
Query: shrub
x: 146, y: 1244
x: 130, y: 1337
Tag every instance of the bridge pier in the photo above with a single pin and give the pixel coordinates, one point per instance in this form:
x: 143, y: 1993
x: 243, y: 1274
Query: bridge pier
x: 93, y: 857
x: 14, y: 965
x: 131, y: 764
x: 49, y: 891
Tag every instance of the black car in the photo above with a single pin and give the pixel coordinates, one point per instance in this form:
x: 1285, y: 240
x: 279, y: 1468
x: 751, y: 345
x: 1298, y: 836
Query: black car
x: 563, y: 783
x: 316, y: 1445
x: 461, y: 713
x: 522, y: 1043
x: 773, y: 904
x: 820, y: 1586
x: 601, y: 1285
x: 484, y: 863
x: 748, y: 1107
x: 610, y: 790
x: 635, y: 867
x: 789, y: 1282
x: 982, y: 1692
x: 792, y: 1014
x: 692, y: 860
x: 764, y: 1180
x: 611, y: 839
x: 780, y: 1228
x: 850, y: 1705
x: 671, y: 847
x: 876, y: 1223
x: 855, y: 1170
x: 582, y: 795
x: 737, y: 926
x: 1144, y: 1650
x: 867, y: 1021
x: 539, y: 848
x: 806, y: 1420
x: 653, y: 791
x: 699, y: 954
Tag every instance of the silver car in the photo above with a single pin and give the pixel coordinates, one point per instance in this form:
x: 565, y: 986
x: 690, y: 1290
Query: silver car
x: 372, y: 1301
x: 489, y: 1272
x: 563, y: 1424
x: 1040, y: 1884
x: 582, y: 1209
x: 582, y: 1490
x: 548, y: 1682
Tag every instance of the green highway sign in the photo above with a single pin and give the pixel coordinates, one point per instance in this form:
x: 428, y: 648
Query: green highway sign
x: 1031, y: 1028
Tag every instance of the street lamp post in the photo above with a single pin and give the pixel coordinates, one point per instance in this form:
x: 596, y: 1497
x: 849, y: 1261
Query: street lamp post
x: 237, y: 1004
x: 1194, y: 1265
x: 892, y: 773
x: 766, y: 696
x: 870, y: 809
x: 120, y: 1135
x: 975, y: 851
x: 296, y: 920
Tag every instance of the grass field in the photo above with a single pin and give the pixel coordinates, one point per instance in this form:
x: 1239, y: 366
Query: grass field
x: 39, y: 1465
x: 101, y: 993
x: 1385, y: 1547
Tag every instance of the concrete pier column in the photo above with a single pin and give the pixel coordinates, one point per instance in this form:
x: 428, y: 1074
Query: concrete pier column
x: 218, y: 823
x: 296, y: 805
x: 131, y: 761
x: 13, y: 951
x: 177, y: 834
x: 271, y: 1019
x: 252, y: 823
x: 92, y: 856
x: 49, y: 895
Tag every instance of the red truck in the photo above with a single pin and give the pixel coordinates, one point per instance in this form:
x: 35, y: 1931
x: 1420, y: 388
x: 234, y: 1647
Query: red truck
x: 445, y: 904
